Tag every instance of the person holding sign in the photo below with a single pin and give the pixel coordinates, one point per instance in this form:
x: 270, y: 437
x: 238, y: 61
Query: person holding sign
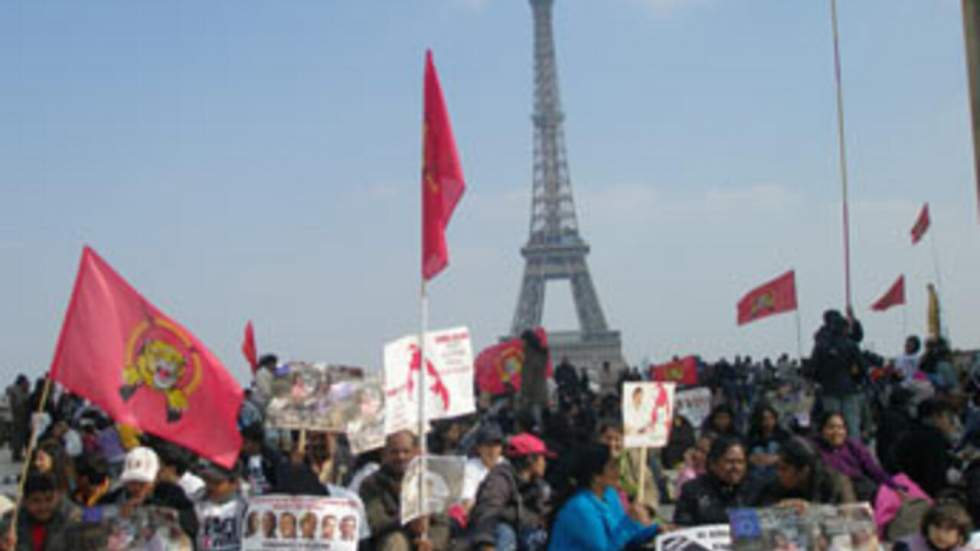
x: 381, y: 493
x: 593, y: 518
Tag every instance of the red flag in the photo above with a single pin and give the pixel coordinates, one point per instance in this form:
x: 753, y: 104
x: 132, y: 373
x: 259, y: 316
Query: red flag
x: 442, y: 175
x: 921, y: 224
x: 683, y: 371
x: 774, y: 297
x: 894, y: 296
x: 248, y: 347
x: 126, y: 356
x: 502, y: 364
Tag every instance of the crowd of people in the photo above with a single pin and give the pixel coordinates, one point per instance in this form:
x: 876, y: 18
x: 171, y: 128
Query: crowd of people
x: 546, y: 465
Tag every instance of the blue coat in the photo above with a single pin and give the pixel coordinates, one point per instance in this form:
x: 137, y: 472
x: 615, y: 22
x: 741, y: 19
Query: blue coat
x: 587, y: 523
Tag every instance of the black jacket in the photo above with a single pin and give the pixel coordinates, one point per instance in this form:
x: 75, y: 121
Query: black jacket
x: 827, y: 487
x: 706, y: 500
x: 504, y: 498
x: 924, y: 455
x: 837, y: 362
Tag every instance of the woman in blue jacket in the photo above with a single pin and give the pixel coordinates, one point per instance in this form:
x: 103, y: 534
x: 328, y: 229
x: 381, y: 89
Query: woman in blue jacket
x: 593, y: 518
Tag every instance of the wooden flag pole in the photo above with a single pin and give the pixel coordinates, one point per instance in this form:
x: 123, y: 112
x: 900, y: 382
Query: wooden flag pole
x: 799, y: 336
x: 842, y: 147
x: 641, y: 491
x: 31, y: 444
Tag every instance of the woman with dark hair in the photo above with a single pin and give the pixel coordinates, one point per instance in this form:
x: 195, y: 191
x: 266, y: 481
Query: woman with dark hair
x: 720, y: 421
x: 800, y: 477
x: 850, y: 457
x: 49, y: 456
x: 765, y: 438
x: 706, y: 499
x: 946, y: 526
x: 593, y: 518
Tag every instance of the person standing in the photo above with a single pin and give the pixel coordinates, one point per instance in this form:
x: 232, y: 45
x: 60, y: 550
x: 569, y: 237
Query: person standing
x: 839, y: 367
x: 18, y: 395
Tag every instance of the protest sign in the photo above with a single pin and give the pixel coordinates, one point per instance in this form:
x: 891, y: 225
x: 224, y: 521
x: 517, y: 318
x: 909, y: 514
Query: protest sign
x: 648, y: 413
x: 104, y: 529
x: 311, y: 396
x: 842, y: 528
x: 693, y: 404
x: 365, y: 416
x: 443, y: 485
x: 448, y: 372
x: 713, y: 537
x: 301, y: 522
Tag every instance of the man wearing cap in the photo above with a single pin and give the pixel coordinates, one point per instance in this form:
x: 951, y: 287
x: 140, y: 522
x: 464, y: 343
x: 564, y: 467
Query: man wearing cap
x: 511, y: 504
x: 140, y: 486
x: 381, y: 493
x: 489, y: 453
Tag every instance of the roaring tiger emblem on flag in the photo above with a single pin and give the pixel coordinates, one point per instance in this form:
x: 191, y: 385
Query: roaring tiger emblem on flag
x: 160, y: 358
x: 762, y: 303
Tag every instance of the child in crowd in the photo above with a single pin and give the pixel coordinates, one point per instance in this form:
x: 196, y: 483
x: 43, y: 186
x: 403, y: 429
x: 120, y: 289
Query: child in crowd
x: 945, y: 527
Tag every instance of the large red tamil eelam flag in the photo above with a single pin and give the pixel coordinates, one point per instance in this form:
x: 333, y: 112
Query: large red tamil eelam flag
x: 143, y: 368
x: 921, y: 224
x: 893, y: 297
x: 774, y: 297
x: 442, y: 175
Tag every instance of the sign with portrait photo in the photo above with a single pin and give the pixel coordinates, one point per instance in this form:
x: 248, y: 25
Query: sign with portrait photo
x: 301, y: 522
x: 648, y: 413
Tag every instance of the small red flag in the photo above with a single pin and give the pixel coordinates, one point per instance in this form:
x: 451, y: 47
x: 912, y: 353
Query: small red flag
x: 774, y: 297
x: 894, y: 296
x: 442, y: 175
x: 921, y: 224
x: 248, y: 347
x: 126, y: 356
x: 683, y: 371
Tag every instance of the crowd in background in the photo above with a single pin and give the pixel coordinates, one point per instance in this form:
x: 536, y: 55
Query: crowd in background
x: 547, y: 468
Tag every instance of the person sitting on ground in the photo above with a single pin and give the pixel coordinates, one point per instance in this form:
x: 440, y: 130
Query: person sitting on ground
x: 894, y: 421
x: 707, y: 498
x: 92, y: 479
x: 682, y: 439
x: 721, y: 421
x: 801, y: 478
x: 925, y: 452
x: 695, y: 462
x: 593, y: 518
x: 221, y: 511
x: 44, y: 515
x: 489, y: 454
x: 511, y: 504
x: 765, y: 438
x: 945, y: 527
x: 630, y: 468
x: 850, y: 457
x: 381, y: 493
x: 140, y: 487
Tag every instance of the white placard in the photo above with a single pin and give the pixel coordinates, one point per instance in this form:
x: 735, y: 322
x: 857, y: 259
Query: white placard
x: 443, y: 485
x: 693, y: 404
x: 648, y: 413
x: 713, y: 537
x: 301, y: 522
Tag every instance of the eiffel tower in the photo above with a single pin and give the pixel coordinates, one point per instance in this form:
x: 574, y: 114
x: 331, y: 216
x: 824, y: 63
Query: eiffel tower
x: 555, y: 250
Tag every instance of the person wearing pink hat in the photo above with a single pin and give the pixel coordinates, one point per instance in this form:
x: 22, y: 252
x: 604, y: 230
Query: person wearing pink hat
x: 511, y: 502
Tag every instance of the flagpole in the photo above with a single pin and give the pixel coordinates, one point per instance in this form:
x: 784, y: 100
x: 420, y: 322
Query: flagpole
x: 799, y: 336
x: 422, y: 392
x: 905, y: 310
x: 32, y: 442
x: 843, y: 155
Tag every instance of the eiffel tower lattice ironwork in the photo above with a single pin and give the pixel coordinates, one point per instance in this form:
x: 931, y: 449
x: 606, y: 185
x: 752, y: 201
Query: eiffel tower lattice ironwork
x: 555, y: 250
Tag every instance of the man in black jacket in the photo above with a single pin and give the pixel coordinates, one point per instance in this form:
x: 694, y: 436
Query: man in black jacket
x: 839, y: 367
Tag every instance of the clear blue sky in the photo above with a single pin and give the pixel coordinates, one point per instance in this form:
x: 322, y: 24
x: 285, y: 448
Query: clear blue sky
x: 260, y: 160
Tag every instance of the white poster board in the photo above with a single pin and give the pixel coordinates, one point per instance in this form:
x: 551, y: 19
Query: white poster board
x: 648, y: 413
x: 301, y: 522
x: 693, y: 404
x: 443, y: 485
x: 448, y: 378
x: 712, y: 537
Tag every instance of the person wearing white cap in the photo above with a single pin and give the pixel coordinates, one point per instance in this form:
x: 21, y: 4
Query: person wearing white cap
x: 140, y: 486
